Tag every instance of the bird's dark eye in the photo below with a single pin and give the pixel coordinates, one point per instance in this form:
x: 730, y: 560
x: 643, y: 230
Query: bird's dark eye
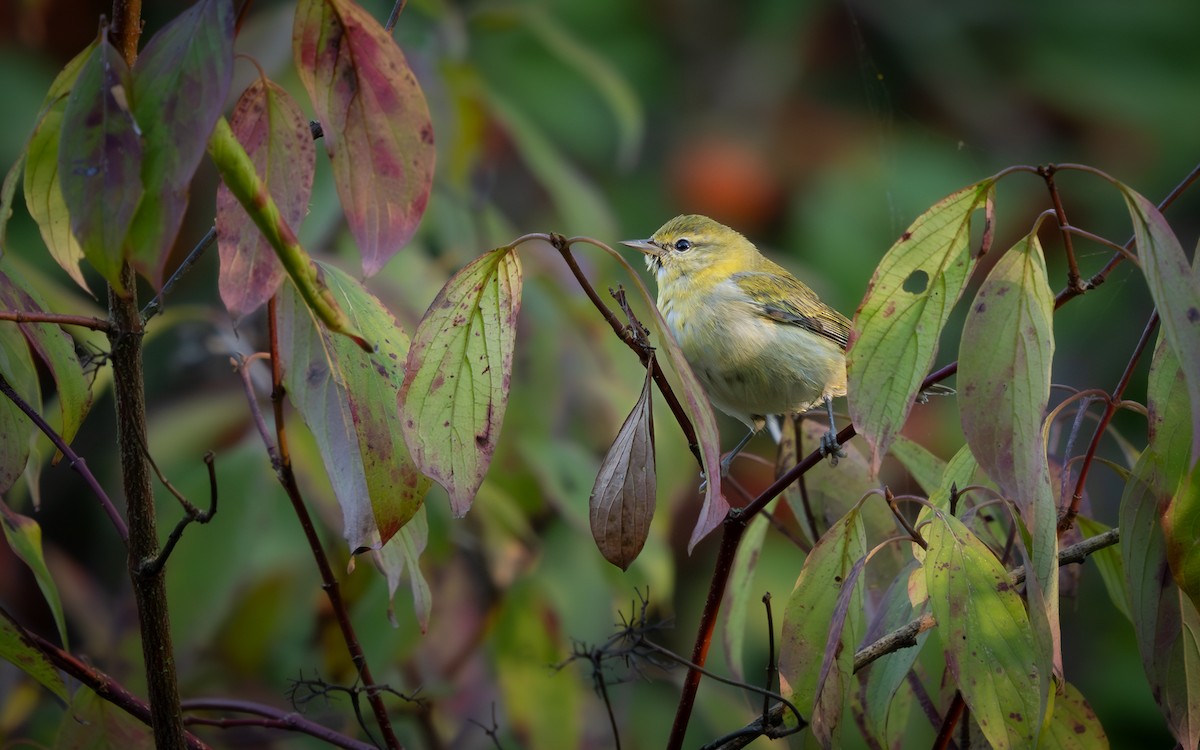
x: 683, y: 245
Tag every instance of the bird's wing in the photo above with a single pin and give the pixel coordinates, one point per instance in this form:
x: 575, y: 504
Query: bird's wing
x: 785, y: 300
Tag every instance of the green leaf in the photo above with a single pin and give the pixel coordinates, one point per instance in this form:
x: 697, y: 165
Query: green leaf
x: 276, y: 136
x: 1181, y: 526
x: 16, y: 366
x: 43, y: 196
x: 739, y: 591
x: 376, y: 122
x: 348, y: 399
x: 403, y: 552
x: 621, y: 505
x: 458, y: 374
x: 1164, y: 620
x: 24, y: 537
x: 92, y: 723
x: 985, y: 634
x: 180, y: 82
x: 1003, y: 388
x: 17, y: 650
x: 1175, y: 287
x: 907, y: 303
x: 1108, y: 561
x: 55, y: 348
x: 100, y: 154
x: 806, y: 637
x: 1074, y: 725
x: 926, y: 469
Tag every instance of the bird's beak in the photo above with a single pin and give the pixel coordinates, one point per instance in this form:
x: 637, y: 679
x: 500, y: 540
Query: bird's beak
x: 643, y: 246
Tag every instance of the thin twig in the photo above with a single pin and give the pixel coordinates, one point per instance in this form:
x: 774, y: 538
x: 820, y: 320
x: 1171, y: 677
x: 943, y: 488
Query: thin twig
x: 241, y: 367
x: 766, y: 600
x: 76, y: 461
x: 154, y: 306
x: 397, y: 9
x: 82, y: 321
x: 902, y: 519
x: 329, y: 582
x: 269, y: 718
x: 945, y: 736
x: 191, y: 514
x: 1074, y: 281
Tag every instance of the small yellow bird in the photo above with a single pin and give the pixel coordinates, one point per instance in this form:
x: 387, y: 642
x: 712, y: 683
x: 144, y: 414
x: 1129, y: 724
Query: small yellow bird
x: 758, y: 339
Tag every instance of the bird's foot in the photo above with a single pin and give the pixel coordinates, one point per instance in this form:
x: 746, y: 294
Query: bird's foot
x: 830, y: 447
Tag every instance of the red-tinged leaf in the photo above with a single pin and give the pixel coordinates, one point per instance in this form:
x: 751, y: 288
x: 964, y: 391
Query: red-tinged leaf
x: 180, y: 82
x: 275, y: 133
x: 622, y: 500
x: 1003, y: 388
x: 24, y: 537
x: 1175, y: 287
x: 1164, y: 620
x: 348, y: 399
x: 376, y: 122
x: 1074, y: 725
x: 985, y: 634
x: 17, y: 368
x: 92, y: 723
x: 43, y: 195
x: 100, y: 160
x: 458, y: 374
x: 17, y: 650
x: 403, y: 553
x: 907, y: 303
x: 807, y: 636
x: 55, y: 348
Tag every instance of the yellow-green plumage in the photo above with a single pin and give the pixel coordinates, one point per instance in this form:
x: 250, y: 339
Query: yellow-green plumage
x: 758, y: 339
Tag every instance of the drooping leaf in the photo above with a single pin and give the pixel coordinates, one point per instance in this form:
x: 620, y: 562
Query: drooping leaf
x: 16, y: 649
x: 376, y: 123
x: 276, y: 136
x: 900, y: 319
x: 240, y: 176
x: 1164, y: 620
x: 622, y: 500
x: 1175, y: 287
x: 739, y: 592
x: 17, y: 368
x: 1074, y: 725
x: 43, y: 195
x: 24, y: 537
x: 92, y: 723
x: 926, y: 469
x: 403, y: 553
x: 1003, y: 388
x: 100, y: 154
x: 806, y: 636
x: 458, y: 374
x: 180, y: 82
x: 348, y: 400
x: 55, y: 348
x: 985, y: 633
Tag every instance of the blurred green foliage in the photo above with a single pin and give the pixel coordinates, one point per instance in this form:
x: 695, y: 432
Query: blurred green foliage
x: 819, y: 129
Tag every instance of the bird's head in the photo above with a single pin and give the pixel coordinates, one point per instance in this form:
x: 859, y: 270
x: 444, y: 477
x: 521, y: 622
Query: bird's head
x: 690, y: 245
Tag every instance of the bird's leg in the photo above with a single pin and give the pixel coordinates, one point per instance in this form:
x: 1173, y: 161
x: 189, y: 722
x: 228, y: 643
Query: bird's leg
x: 725, y: 462
x: 829, y: 443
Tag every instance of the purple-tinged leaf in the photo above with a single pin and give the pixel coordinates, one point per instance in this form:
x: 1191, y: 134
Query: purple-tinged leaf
x: 402, y: 553
x: 16, y: 649
x: 807, y: 636
x: 622, y: 500
x: 43, y: 195
x: 458, y: 374
x: 376, y: 123
x: 347, y: 398
x: 55, y: 348
x: 24, y: 537
x: 100, y: 160
x: 180, y: 82
x: 985, y: 634
x: 17, y: 368
x: 1175, y: 287
x: 900, y: 319
x: 274, y: 132
x: 1165, y: 621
